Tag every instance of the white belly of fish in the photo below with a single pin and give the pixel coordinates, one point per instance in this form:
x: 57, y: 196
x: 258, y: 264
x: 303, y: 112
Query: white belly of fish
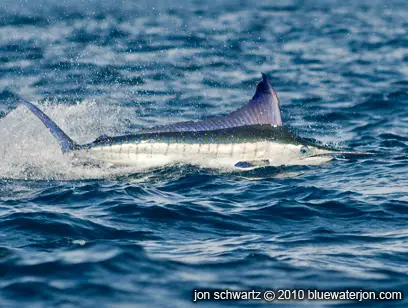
x: 152, y: 154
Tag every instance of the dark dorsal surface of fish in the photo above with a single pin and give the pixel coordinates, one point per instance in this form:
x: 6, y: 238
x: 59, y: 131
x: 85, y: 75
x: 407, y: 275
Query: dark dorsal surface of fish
x: 240, y: 134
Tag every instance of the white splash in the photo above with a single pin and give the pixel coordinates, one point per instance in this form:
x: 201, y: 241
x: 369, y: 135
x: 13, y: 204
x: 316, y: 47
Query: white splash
x: 28, y: 150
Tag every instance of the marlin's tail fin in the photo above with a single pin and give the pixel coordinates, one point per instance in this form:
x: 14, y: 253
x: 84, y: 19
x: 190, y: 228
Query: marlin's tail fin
x: 66, y: 143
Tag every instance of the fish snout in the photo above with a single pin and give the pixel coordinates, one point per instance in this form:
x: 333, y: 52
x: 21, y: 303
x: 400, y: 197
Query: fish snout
x: 334, y: 153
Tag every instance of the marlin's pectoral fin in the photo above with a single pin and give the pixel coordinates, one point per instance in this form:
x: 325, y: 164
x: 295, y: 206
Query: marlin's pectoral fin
x: 247, y: 165
x: 244, y: 165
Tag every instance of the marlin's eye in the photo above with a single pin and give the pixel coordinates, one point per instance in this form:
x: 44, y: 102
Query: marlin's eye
x: 304, y: 149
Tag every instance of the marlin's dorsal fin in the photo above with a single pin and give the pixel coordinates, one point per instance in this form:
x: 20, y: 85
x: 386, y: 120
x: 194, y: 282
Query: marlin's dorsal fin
x: 263, y: 108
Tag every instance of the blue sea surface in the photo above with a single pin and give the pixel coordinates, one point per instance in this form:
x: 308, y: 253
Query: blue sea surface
x: 81, y: 236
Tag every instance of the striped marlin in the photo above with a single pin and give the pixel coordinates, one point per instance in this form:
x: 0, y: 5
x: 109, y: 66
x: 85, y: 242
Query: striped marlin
x: 250, y: 137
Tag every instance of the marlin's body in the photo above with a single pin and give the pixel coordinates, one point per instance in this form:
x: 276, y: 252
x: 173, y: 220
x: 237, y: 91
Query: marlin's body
x: 252, y: 136
x: 259, y: 145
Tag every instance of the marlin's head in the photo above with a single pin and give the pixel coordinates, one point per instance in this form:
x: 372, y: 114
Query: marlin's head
x: 305, y: 152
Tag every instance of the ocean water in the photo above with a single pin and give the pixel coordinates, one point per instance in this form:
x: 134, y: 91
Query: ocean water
x: 80, y: 236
